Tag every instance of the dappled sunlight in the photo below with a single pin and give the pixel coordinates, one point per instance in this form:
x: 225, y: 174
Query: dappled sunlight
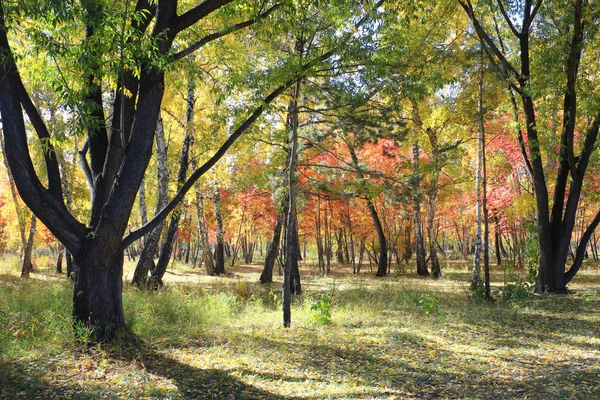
x: 221, y: 337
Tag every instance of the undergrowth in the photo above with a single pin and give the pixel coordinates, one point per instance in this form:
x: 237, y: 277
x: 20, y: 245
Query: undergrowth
x: 350, y: 338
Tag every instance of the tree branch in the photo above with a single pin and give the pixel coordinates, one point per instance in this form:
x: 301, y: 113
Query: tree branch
x: 214, y: 36
x: 194, y: 15
x: 507, y: 18
x: 135, y: 235
x: 510, y: 70
x: 580, y: 253
x: 50, y: 210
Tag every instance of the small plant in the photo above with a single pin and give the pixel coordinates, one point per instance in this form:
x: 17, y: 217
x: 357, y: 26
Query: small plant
x: 321, y: 310
x: 515, y: 293
x: 429, y: 304
x: 84, y: 332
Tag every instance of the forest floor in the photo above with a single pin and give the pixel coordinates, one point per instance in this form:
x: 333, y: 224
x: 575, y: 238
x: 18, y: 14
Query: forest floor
x: 352, y: 337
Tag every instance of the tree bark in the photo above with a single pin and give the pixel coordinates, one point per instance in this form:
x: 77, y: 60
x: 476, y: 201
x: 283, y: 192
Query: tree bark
x: 145, y: 262
x: 417, y: 194
x: 166, y: 250
x: 272, y: 251
x: 431, y: 199
x: 291, y: 279
x: 27, y: 266
x: 220, y: 246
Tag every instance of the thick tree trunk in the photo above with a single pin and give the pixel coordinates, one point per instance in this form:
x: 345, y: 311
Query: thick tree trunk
x: 15, y: 198
x: 97, y: 299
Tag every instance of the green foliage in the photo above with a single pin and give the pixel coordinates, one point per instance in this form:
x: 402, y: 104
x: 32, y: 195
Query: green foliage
x: 429, y: 304
x: 321, y: 309
x: 477, y: 292
x: 516, y: 294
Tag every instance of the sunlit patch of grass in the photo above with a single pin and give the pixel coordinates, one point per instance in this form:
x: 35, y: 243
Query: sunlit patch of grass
x: 398, y: 337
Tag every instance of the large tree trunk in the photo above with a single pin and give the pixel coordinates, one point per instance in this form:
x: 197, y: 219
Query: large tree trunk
x: 97, y: 298
x: 21, y: 217
x: 417, y: 194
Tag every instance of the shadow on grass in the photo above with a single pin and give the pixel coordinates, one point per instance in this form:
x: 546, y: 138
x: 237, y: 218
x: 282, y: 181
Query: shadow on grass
x: 192, y: 382
x: 20, y: 381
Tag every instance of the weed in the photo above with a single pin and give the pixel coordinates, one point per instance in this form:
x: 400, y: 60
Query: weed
x: 429, y: 304
x: 320, y: 310
x: 516, y: 294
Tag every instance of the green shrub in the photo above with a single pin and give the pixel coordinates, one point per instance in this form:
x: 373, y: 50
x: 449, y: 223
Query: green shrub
x: 516, y: 293
x: 320, y: 310
x: 429, y: 304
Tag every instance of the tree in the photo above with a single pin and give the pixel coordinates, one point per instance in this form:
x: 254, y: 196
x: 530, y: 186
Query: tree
x: 120, y: 151
x: 559, y: 45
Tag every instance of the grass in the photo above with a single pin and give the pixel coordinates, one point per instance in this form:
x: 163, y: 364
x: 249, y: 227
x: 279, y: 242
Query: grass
x: 221, y: 338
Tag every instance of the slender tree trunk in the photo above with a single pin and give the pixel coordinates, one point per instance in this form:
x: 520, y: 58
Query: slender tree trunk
x: 417, y: 195
x: 291, y: 282
x: 220, y: 246
x: 382, y: 264
x: 431, y: 197
x: 27, y: 263
x: 203, y: 232
x: 142, y: 201
x: 167, y: 248
x: 59, y: 260
x: 145, y: 263
x: 497, y: 240
x: 272, y: 251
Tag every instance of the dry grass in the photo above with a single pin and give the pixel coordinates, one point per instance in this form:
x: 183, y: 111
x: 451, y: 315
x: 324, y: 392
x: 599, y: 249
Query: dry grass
x: 221, y: 337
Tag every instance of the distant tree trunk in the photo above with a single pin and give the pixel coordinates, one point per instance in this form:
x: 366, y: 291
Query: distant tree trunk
x: 59, y: 260
x: 407, y: 254
x: 220, y: 247
x: 69, y: 262
x: 382, y: 264
x: 272, y: 251
x: 27, y: 267
x: 497, y: 239
x: 167, y: 248
x: 486, y: 226
x: 432, y: 195
x: 203, y: 232
x: 417, y: 195
x: 146, y: 261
